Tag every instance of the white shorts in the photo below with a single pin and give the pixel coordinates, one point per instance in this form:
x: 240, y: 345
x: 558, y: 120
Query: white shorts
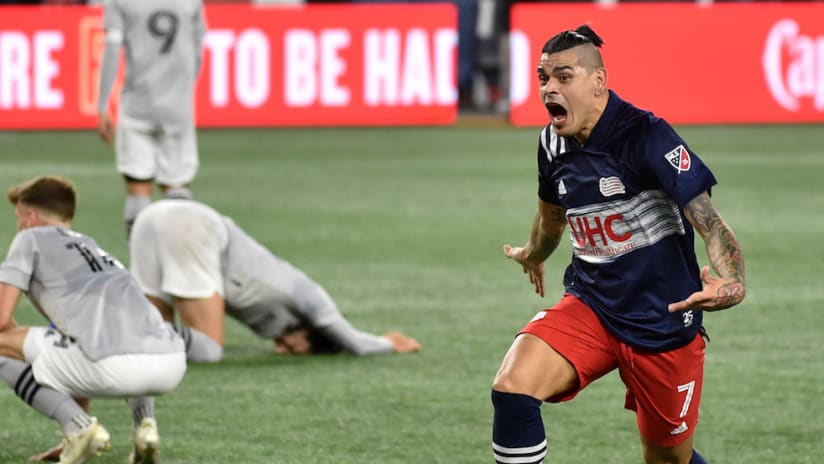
x: 147, y: 152
x: 176, y: 251
x: 58, y: 362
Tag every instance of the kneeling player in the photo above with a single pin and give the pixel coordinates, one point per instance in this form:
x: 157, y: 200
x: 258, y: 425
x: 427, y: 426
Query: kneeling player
x: 189, y: 258
x: 107, y: 340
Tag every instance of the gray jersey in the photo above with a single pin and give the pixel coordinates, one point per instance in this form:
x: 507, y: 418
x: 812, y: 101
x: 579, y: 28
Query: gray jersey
x: 270, y: 296
x: 162, y: 41
x: 86, y: 294
x: 267, y: 293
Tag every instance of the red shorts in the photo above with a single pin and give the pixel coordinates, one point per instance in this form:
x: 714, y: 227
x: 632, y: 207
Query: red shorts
x: 664, y: 389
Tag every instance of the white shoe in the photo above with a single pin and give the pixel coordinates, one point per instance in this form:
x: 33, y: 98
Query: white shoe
x: 146, y: 443
x: 93, y: 442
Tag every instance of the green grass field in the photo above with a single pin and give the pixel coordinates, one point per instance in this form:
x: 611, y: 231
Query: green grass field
x: 404, y: 227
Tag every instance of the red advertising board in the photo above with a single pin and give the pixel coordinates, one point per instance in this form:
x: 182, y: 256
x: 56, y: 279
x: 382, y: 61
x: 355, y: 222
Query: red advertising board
x: 687, y: 62
x: 357, y: 64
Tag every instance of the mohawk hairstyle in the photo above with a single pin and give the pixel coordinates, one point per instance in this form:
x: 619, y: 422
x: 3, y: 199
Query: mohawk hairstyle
x: 569, y: 39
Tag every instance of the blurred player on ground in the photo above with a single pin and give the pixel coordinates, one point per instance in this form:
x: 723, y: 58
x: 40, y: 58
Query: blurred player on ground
x: 108, y: 340
x: 633, y: 194
x: 155, y: 139
x: 189, y: 258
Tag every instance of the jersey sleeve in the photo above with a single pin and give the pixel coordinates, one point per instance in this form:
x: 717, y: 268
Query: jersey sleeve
x: 546, y: 191
x: 676, y: 168
x: 341, y: 332
x: 18, y: 267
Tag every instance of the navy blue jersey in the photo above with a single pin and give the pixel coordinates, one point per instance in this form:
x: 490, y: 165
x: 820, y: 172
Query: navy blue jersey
x: 624, y: 192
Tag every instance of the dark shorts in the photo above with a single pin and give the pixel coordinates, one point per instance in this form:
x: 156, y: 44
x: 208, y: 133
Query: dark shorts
x: 664, y: 389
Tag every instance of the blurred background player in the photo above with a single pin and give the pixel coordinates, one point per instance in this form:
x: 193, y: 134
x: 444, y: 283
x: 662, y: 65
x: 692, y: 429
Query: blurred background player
x: 107, y: 340
x: 633, y: 194
x: 155, y: 140
x: 189, y: 258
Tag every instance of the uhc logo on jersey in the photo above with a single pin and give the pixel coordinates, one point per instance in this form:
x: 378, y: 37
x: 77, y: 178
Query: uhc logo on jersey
x: 603, y: 232
x: 598, y: 231
x: 679, y: 158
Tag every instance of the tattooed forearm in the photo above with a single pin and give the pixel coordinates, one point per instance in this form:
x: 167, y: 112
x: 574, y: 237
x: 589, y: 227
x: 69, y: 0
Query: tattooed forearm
x: 722, y: 248
x: 724, y: 253
x: 555, y: 215
x: 547, y: 230
x: 730, y: 295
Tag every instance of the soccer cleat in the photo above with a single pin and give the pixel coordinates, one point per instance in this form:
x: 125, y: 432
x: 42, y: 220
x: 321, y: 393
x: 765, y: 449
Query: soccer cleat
x: 146, y: 443
x: 93, y: 442
x: 52, y: 455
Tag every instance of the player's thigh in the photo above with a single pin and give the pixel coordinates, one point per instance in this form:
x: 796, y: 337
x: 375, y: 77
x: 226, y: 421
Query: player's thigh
x: 664, y: 390
x: 140, y: 374
x: 532, y: 367
x: 136, y: 151
x: 203, y: 314
x: 58, y: 362
x: 144, y: 258
x: 12, y: 342
x: 165, y: 306
x: 557, y: 354
x: 177, y: 160
x: 189, y: 244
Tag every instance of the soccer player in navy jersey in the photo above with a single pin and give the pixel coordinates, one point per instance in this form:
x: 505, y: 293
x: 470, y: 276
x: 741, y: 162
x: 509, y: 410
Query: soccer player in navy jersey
x: 633, y: 195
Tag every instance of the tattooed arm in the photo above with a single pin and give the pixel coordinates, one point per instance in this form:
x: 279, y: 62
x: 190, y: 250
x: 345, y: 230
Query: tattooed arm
x: 544, y: 236
x: 725, y: 256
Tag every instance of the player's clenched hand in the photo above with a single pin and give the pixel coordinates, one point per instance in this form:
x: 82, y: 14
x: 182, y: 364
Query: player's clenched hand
x: 105, y: 127
x: 535, y: 271
x: 401, y: 343
x: 717, y: 294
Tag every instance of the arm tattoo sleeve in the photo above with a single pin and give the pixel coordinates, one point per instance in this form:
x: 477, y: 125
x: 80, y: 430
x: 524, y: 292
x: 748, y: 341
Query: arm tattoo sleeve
x: 722, y: 248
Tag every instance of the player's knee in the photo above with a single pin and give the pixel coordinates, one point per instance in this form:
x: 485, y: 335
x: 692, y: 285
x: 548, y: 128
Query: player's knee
x: 510, y: 381
x: 199, y: 346
x: 205, y: 350
x: 504, y: 382
x: 178, y: 193
x: 667, y: 455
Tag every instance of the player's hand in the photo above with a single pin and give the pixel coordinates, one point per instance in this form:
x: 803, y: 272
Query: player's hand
x: 717, y: 294
x: 401, y: 343
x: 105, y: 127
x: 534, y: 271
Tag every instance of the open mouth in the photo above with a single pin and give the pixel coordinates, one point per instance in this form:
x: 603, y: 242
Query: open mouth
x: 557, y: 112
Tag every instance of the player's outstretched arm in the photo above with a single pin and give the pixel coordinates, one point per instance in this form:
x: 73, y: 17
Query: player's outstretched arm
x: 544, y: 237
x: 729, y: 288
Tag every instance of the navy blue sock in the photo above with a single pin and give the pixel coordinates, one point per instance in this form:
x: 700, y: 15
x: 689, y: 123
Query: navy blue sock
x: 697, y: 458
x: 518, y: 431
